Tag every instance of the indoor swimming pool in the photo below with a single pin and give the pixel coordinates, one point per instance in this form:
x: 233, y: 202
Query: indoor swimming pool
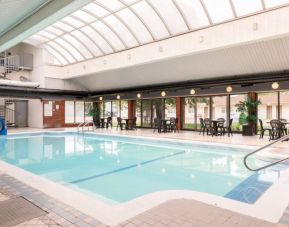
x: 117, y: 169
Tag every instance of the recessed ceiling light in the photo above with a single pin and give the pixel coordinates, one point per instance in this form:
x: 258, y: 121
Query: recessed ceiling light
x: 229, y: 89
x: 192, y: 91
x: 275, y: 85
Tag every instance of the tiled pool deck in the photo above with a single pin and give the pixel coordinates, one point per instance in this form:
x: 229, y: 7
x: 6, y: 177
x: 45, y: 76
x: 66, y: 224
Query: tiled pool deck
x: 180, y: 212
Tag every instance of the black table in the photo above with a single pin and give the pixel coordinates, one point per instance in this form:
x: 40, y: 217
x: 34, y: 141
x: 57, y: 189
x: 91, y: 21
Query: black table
x: 163, y: 125
x: 215, y: 126
x: 128, y: 123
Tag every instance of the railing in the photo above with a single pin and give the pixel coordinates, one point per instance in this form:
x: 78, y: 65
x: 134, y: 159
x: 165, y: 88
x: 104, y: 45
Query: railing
x: 9, y: 64
x: 8, y: 114
x: 262, y: 148
x: 86, y: 124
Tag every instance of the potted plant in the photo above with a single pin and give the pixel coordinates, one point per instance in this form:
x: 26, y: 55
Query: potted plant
x: 248, y: 116
x: 94, y: 112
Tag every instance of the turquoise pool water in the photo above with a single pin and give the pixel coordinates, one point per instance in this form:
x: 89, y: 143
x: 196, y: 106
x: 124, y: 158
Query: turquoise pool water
x: 119, y: 169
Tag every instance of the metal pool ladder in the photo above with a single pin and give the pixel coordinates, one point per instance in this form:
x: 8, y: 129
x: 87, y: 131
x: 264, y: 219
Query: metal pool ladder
x: 262, y: 148
x: 85, y: 124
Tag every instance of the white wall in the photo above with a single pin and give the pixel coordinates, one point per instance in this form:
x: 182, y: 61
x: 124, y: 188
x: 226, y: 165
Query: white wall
x: 35, y: 113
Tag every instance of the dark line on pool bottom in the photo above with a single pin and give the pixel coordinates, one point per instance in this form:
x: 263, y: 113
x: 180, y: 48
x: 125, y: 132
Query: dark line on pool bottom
x: 124, y: 168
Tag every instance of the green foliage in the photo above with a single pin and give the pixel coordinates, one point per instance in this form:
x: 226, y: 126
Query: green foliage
x: 94, y: 112
x: 247, y: 109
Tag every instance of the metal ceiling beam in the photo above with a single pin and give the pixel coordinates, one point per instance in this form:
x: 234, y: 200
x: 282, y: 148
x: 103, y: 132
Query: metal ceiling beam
x: 48, y: 14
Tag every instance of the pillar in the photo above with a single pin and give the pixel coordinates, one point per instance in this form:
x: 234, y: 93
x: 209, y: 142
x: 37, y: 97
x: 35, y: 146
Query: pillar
x: 179, y: 111
x: 131, y: 109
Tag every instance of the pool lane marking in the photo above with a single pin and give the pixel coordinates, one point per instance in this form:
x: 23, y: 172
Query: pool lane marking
x: 125, y: 168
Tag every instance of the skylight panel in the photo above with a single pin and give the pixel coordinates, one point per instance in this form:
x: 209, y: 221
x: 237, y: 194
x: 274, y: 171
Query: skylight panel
x: 274, y: 3
x: 37, y: 40
x: 220, y: 10
x: 244, y: 7
x: 63, y: 51
x: 171, y: 16
x: 102, y: 43
x: 121, y: 30
x: 108, y: 34
x: 59, y: 57
x: 78, y: 45
x: 54, y: 30
x: 46, y: 34
x: 136, y: 25
x: 63, y: 26
x: 88, y: 42
x: 96, y: 10
x: 194, y: 13
x: 83, y: 16
x: 73, y: 22
x: 70, y: 48
x: 150, y: 17
x: 111, y: 4
x: 129, y: 1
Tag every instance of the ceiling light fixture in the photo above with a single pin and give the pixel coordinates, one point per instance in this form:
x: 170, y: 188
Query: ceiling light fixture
x: 192, y: 91
x: 229, y: 89
x: 275, y: 85
x: 100, y: 98
x: 138, y: 95
x: 118, y: 96
x: 163, y: 93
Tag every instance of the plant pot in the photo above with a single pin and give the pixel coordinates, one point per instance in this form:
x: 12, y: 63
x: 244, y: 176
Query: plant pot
x: 248, y: 130
x: 96, y: 122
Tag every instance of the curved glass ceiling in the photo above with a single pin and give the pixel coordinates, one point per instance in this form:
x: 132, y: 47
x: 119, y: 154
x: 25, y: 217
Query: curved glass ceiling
x: 104, y: 27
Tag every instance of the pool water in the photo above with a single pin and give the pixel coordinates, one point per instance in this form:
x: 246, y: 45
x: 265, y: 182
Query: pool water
x: 118, y: 169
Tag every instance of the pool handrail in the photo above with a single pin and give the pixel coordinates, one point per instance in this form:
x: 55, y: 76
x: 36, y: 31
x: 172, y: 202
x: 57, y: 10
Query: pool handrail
x: 262, y: 148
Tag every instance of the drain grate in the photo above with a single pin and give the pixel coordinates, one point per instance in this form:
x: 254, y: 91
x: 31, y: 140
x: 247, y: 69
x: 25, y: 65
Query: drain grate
x: 17, y: 210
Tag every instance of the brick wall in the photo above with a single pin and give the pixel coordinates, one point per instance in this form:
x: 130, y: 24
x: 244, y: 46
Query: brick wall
x: 57, y: 120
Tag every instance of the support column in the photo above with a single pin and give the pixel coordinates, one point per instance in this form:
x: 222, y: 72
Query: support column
x: 179, y: 111
x: 253, y: 96
x: 131, y: 109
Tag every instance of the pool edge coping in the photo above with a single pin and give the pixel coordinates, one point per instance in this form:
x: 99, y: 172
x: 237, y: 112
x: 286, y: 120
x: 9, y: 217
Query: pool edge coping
x: 136, y: 206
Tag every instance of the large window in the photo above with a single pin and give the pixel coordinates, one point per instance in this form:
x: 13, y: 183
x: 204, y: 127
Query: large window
x: 234, y: 114
x: 138, y: 113
x: 146, y: 113
x: 189, y: 113
x: 87, y: 108
x: 77, y: 112
x: 170, y: 108
x: 124, y: 109
x: 284, y: 105
x: 115, y: 112
x: 69, y: 112
x: 203, y: 109
x: 268, y: 109
x: 107, y: 109
x: 219, y: 108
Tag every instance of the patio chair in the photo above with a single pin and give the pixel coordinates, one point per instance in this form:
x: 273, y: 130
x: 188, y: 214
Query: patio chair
x: 208, y: 127
x: 228, y: 129
x: 263, y: 130
x: 109, y: 122
x: 119, y: 123
x: 134, y: 123
x: 202, y: 126
x: 276, y: 131
x: 220, y: 125
x: 173, y: 125
x: 283, y: 125
x: 157, y: 124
